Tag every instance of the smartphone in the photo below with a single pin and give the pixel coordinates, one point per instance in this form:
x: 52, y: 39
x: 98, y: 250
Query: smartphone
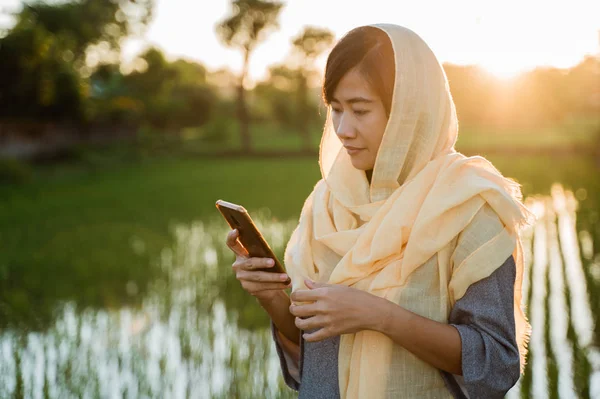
x: 251, y: 238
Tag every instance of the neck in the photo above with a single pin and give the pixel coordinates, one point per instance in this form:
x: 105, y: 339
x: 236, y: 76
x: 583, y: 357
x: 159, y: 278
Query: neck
x: 369, y: 174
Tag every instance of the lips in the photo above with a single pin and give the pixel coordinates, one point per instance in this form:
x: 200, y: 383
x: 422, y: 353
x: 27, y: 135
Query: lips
x: 352, y: 150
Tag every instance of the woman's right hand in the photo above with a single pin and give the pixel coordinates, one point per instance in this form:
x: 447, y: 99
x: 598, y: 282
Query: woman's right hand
x: 263, y: 285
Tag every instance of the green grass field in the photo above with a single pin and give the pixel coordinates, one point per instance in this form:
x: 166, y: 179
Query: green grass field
x: 75, y: 226
x: 579, y: 133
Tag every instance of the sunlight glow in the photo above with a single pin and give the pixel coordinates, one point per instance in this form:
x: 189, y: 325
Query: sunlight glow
x: 505, y: 38
x: 503, y: 69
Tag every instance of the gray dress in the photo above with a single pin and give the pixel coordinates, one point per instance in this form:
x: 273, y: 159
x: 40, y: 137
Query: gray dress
x: 485, y: 321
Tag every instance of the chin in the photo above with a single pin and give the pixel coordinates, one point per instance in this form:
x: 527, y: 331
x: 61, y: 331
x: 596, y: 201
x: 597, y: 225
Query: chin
x: 360, y: 164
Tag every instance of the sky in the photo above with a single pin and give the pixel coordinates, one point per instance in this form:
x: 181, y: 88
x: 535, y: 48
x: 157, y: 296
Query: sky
x: 505, y: 37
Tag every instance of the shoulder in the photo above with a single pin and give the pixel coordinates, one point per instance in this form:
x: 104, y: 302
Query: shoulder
x: 485, y: 217
x: 484, y: 226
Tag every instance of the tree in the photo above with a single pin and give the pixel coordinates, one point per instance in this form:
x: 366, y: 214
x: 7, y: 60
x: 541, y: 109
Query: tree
x: 271, y: 98
x: 85, y: 23
x: 174, y: 95
x: 308, y: 45
x: 249, y: 23
x: 43, y: 73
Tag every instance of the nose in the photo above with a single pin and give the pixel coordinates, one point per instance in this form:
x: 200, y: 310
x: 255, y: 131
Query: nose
x: 345, y: 128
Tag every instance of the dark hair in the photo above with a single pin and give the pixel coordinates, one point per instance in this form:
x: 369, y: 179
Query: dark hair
x: 368, y: 49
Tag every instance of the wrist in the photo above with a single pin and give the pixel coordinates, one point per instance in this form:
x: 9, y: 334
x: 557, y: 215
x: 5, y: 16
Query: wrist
x: 373, y: 314
x: 385, y: 314
x: 268, y: 302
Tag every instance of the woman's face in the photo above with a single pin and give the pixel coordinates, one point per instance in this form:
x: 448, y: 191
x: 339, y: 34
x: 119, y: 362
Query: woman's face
x: 359, y: 119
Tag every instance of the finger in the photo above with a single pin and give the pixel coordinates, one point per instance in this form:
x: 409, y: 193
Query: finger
x: 313, y: 284
x: 304, y: 310
x: 310, y: 322
x: 305, y: 295
x: 253, y: 287
x: 318, y: 335
x: 261, y: 277
x: 256, y: 263
x: 280, y: 286
x: 234, y: 243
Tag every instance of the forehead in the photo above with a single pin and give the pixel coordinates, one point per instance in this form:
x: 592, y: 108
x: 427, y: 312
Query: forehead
x: 352, y: 85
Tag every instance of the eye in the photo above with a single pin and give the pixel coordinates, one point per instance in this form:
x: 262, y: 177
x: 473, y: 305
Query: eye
x: 336, y: 111
x: 360, y: 112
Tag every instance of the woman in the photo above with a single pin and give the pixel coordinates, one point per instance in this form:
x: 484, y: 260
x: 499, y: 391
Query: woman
x: 406, y: 264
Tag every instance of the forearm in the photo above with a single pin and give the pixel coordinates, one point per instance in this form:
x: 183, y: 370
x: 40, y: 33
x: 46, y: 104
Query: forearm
x: 436, y: 343
x: 278, y: 309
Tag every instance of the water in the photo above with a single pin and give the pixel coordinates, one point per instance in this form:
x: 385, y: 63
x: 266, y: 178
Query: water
x: 562, y: 313
x: 192, y: 332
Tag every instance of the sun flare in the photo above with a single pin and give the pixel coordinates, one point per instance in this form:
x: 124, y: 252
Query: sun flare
x: 504, y: 71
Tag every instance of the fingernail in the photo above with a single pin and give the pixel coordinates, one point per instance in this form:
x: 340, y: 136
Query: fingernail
x: 284, y: 277
x: 271, y: 262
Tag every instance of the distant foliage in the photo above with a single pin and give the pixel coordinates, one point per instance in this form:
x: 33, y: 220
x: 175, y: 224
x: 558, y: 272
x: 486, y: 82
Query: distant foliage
x: 46, y: 55
x: 14, y: 172
x: 542, y: 97
x: 60, y: 66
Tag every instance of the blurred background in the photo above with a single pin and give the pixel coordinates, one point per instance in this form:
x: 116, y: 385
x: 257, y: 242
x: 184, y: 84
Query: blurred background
x: 123, y: 121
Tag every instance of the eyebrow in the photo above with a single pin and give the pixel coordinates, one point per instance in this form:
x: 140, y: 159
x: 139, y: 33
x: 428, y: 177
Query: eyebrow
x: 353, y: 100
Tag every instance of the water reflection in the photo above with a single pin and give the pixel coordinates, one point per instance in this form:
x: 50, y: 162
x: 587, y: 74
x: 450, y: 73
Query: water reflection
x: 185, y: 340
x: 564, y: 360
x: 537, y: 356
x: 559, y: 317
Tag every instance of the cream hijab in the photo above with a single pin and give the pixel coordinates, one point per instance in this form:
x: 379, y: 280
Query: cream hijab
x: 375, y: 237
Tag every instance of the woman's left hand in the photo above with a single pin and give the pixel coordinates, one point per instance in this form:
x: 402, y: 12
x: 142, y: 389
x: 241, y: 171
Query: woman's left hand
x: 335, y: 309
